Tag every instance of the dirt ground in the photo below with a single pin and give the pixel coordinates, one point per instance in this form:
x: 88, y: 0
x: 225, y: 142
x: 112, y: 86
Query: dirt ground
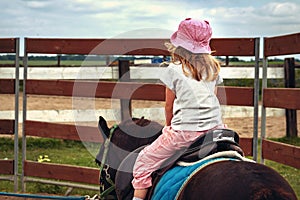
x: 275, y: 126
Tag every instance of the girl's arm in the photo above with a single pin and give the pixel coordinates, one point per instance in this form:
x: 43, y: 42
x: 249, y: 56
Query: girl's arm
x: 170, y: 97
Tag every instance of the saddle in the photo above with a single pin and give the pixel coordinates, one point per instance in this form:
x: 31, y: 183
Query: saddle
x: 212, y: 142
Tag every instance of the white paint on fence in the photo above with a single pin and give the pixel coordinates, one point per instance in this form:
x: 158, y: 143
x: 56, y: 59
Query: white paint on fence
x: 144, y: 72
x: 96, y: 73
x: 152, y: 113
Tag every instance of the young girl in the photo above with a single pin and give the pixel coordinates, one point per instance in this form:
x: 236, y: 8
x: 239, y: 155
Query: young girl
x: 191, y: 106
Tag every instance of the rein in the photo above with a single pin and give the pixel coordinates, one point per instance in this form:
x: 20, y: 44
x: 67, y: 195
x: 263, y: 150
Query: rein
x: 104, y: 167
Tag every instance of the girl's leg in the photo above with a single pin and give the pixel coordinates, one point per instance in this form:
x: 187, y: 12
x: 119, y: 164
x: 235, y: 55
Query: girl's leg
x: 140, y: 194
x: 153, y: 156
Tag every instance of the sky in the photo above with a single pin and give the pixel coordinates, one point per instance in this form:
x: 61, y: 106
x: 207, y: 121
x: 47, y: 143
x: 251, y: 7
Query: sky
x: 123, y: 18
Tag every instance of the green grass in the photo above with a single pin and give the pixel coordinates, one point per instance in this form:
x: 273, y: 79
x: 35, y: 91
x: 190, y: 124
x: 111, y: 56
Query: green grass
x: 293, y: 141
x: 75, y: 153
x: 59, y: 151
x: 291, y: 174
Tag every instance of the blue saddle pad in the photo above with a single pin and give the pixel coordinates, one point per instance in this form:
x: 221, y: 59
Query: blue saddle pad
x: 173, y: 180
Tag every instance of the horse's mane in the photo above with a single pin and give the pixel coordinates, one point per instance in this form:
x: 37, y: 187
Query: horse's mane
x: 135, y: 121
x: 136, y: 132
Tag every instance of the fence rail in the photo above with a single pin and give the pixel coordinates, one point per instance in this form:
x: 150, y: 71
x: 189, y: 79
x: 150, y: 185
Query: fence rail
x: 7, y: 126
x: 9, y: 45
x: 7, y: 167
x: 282, y: 45
x: 288, y: 98
x: 281, y: 153
x: 155, y: 47
x: 7, y: 86
x: 62, y: 131
x: 62, y: 172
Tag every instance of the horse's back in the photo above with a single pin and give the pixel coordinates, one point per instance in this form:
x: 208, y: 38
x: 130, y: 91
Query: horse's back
x: 237, y: 180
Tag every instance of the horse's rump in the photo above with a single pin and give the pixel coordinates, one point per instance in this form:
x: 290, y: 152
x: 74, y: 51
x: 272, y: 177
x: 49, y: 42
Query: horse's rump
x: 235, y: 181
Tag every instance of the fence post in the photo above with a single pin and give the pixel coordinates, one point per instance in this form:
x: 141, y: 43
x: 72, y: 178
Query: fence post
x: 256, y: 101
x: 124, y: 76
x: 227, y: 61
x: 289, y: 82
x: 16, y: 125
x: 58, y: 60
x: 24, y: 117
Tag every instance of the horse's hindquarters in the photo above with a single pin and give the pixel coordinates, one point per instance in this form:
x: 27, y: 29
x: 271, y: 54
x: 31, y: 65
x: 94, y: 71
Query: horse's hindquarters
x: 237, y: 180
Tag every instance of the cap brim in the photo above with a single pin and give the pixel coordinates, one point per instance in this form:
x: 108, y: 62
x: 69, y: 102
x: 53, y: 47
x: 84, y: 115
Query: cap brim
x: 189, y: 45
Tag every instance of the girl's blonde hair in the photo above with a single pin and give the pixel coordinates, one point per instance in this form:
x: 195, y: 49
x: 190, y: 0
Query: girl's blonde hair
x: 198, y: 66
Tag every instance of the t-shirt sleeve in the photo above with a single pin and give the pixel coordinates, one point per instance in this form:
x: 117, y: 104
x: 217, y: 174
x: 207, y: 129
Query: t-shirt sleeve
x: 219, y: 80
x: 168, y: 77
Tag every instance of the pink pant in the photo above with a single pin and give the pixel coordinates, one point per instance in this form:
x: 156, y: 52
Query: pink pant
x: 170, y: 143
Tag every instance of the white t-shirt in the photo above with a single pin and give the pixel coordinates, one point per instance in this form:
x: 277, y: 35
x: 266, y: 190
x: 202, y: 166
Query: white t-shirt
x: 196, y: 107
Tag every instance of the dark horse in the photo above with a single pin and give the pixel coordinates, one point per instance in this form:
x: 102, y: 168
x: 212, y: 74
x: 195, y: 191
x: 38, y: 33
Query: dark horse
x: 221, y: 180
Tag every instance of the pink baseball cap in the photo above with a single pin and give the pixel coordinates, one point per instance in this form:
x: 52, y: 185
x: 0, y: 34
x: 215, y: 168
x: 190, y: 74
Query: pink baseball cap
x: 193, y: 35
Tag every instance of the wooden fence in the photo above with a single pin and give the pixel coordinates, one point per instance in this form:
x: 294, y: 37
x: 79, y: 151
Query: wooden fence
x: 10, y: 126
x: 286, y: 98
x: 126, y: 91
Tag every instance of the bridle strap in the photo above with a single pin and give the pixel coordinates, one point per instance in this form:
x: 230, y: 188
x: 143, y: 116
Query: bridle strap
x: 102, y: 164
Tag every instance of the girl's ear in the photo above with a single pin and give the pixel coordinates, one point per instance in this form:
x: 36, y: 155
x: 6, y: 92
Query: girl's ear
x: 103, y: 128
